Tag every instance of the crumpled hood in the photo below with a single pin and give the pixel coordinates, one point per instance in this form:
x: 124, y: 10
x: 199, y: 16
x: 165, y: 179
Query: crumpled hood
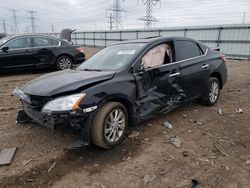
x: 64, y: 81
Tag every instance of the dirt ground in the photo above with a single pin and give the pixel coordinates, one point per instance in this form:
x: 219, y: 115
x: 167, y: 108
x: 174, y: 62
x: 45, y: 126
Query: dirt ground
x: 214, y: 148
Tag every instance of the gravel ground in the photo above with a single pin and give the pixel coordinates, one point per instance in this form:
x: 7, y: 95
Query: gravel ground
x: 214, y: 148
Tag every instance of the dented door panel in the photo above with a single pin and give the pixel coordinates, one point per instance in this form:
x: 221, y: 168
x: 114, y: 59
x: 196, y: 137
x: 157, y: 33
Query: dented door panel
x: 159, y: 90
x: 194, y: 77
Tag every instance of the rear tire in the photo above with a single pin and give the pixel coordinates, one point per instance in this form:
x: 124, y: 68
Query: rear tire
x: 109, y: 125
x: 64, y: 62
x: 211, y: 94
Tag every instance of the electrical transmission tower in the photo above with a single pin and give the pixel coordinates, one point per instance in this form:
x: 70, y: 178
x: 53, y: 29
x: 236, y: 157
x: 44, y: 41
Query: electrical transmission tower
x: 32, y: 19
x: 4, y: 26
x: 117, y: 11
x: 15, y: 26
x: 149, y: 18
x: 111, y: 21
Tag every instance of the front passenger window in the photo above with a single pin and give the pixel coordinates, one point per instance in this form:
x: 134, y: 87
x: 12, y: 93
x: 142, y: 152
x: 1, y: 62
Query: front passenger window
x: 156, y: 56
x: 19, y: 43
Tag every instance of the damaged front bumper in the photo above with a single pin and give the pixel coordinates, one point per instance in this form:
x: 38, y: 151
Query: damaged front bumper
x: 73, y: 119
x: 77, y: 119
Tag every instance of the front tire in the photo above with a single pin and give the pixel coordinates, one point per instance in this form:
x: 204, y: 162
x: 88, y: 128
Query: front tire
x: 212, y: 92
x: 64, y: 62
x: 109, y: 125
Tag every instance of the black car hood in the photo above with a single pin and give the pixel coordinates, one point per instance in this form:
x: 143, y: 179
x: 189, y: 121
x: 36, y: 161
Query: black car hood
x: 64, y: 81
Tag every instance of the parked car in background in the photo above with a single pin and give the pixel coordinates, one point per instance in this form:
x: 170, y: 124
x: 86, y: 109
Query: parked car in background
x: 124, y: 84
x: 2, y: 35
x: 23, y: 51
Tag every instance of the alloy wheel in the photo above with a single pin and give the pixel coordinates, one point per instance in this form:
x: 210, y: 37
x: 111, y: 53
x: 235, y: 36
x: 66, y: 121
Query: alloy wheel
x: 214, y: 92
x: 114, y: 125
x: 65, y: 63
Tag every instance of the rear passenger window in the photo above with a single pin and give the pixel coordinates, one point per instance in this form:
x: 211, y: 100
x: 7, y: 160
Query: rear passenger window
x: 38, y: 41
x: 186, y: 49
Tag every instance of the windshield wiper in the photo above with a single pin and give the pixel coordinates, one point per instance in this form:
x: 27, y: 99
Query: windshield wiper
x: 91, y: 70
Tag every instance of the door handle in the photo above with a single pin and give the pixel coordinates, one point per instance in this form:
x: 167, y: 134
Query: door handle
x: 205, y: 66
x: 174, y: 74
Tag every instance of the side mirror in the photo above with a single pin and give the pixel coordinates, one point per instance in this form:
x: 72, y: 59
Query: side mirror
x: 5, y: 49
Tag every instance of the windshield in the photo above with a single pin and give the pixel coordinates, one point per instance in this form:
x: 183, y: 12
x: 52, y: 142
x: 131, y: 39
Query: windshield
x: 5, y: 39
x: 112, y: 58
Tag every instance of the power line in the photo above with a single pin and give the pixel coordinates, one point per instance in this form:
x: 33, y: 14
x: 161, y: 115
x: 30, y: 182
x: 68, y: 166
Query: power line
x: 117, y: 11
x: 32, y: 19
x: 149, y: 18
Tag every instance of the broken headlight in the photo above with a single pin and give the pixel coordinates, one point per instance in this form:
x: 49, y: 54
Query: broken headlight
x: 60, y: 104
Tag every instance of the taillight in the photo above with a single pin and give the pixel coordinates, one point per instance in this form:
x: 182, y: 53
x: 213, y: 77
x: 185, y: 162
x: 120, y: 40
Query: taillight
x: 80, y: 49
x: 223, y: 57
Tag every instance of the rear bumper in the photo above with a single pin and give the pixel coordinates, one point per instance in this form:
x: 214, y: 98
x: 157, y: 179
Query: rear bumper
x: 79, y: 58
x: 224, y: 75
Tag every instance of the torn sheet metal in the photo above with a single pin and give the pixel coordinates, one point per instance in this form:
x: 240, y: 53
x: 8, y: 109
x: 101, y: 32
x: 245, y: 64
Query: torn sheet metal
x: 157, y: 91
x: 159, y: 86
x: 7, y: 155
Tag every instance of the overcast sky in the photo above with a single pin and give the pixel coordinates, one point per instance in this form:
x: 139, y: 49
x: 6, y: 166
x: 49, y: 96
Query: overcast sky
x: 90, y: 15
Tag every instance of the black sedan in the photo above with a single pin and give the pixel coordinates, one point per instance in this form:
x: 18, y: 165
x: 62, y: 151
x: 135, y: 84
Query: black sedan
x: 25, y: 51
x: 124, y: 84
x: 2, y: 35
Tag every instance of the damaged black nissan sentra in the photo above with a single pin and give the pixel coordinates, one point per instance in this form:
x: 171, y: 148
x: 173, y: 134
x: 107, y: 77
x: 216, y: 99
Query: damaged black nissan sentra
x: 122, y: 85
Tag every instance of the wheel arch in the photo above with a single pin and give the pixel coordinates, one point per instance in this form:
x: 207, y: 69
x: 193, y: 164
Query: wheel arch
x: 125, y: 102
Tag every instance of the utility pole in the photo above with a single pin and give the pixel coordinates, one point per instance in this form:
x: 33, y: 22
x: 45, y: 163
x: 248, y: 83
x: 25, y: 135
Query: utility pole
x: 52, y: 28
x: 117, y: 11
x: 11, y: 28
x: 15, y: 28
x: 149, y: 18
x: 32, y: 19
x: 244, y: 17
x: 111, y: 21
x: 27, y: 29
x: 4, y: 26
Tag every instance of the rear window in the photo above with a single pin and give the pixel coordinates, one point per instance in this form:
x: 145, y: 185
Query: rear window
x: 186, y: 49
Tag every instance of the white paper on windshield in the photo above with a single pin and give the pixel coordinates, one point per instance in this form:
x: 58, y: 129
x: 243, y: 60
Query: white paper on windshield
x: 126, y: 52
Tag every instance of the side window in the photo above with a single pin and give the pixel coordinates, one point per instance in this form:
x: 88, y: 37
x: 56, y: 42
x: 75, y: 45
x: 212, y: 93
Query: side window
x: 54, y: 42
x: 19, y: 43
x: 158, y: 55
x: 39, y: 41
x: 186, y: 49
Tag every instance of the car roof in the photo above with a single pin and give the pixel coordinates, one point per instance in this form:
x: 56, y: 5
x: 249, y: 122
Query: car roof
x: 154, y: 39
x: 31, y: 35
